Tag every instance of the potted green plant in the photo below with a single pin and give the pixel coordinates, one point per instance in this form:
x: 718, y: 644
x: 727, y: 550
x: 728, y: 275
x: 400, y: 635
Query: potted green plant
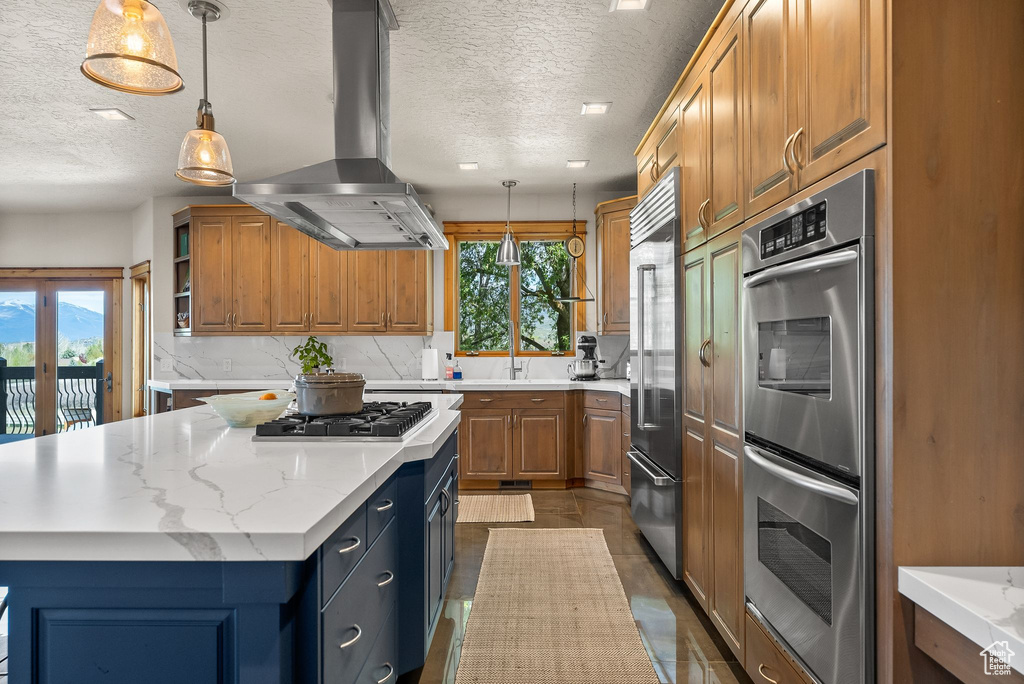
x: 313, y: 355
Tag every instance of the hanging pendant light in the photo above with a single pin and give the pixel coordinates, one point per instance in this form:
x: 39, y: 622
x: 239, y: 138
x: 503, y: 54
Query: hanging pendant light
x: 575, y: 246
x: 204, y: 158
x: 130, y: 49
x: 508, y: 250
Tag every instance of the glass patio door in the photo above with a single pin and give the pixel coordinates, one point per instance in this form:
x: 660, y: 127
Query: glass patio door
x: 19, y: 302
x: 62, y: 378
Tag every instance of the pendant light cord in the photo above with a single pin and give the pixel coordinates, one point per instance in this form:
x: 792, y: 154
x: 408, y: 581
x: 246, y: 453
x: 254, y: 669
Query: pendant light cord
x: 573, y: 208
x: 508, y: 214
x: 205, y: 94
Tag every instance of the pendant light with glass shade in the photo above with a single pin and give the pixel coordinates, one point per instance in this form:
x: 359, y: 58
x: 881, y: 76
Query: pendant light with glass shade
x: 575, y: 246
x: 130, y: 49
x: 204, y: 158
x: 508, y: 250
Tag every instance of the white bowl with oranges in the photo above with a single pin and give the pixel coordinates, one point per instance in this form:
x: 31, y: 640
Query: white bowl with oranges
x: 249, y: 409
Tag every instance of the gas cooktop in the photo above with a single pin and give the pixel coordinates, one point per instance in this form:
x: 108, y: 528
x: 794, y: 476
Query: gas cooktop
x: 379, y: 421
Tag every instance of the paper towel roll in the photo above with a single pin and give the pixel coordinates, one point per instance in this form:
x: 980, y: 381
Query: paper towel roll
x: 431, y: 364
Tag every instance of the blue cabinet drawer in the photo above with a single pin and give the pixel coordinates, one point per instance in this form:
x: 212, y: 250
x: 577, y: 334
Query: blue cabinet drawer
x: 380, y: 509
x: 354, y: 616
x: 342, y: 552
x: 382, y: 664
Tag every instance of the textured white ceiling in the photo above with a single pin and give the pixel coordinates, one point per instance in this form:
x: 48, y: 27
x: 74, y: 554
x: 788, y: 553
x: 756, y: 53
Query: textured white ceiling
x: 499, y: 82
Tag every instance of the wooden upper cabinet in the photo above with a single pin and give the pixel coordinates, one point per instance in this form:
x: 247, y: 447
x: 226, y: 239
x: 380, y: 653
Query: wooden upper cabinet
x: 693, y: 181
x: 329, y: 284
x: 211, y: 274
x: 771, y: 112
x: 645, y: 168
x: 367, y: 295
x: 725, y: 133
x: 250, y: 273
x: 485, y: 444
x: 538, y: 444
x: 841, y: 58
x: 602, y: 443
x: 666, y: 145
x: 613, y: 264
x: 409, y: 292
x: 289, y: 273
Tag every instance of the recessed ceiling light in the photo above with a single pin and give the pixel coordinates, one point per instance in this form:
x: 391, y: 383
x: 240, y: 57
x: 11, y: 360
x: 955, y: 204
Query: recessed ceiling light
x: 629, y: 5
x: 577, y: 163
x: 111, y: 114
x: 595, y: 108
x: 469, y: 166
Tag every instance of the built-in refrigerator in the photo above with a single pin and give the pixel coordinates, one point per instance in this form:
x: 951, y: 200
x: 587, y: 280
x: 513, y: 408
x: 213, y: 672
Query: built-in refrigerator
x: 655, y: 453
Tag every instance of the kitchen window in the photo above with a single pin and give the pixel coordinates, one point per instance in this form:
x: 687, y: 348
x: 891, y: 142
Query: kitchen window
x: 478, y: 292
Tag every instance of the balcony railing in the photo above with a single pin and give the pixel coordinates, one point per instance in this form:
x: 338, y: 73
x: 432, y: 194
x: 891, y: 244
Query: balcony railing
x: 79, y: 398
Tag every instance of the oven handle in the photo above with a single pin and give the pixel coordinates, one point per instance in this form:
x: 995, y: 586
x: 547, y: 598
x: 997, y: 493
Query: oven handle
x: 831, y: 260
x: 832, y: 491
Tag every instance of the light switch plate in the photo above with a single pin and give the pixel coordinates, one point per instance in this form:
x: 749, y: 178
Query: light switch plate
x: 340, y: 365
x: 166, y: 365
x: 225, y: 365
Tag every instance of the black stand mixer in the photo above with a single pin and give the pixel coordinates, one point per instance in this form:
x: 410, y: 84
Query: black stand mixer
x: 585, y: 368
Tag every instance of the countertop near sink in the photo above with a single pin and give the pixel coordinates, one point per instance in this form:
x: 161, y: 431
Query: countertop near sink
x: 470, y: 385
x: 984, y: 604
x: 183, y: 486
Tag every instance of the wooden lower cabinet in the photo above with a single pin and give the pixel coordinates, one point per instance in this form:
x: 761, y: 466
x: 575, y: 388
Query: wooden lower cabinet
x: 485, y: 444
x: 538, y: 444
x: 602, y: 445
x: 764, y: 661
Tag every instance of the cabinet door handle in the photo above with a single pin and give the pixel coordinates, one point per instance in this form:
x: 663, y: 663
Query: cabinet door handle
x: 382, y: 323
x: 508, y: 422
x: 515, y: 420
x: 760, y: 671
x: 359, y: 633
x: 386, y: 506
x: 654, y: 171
x: 707, y: 213
x: 700, y: 214
x: 391, y: 671
x: 785, y: 154
x: 227, y: 320
x: 234, y: 320
x: 792, y: 148
x: 702, y: 353
x: 389, y: 580
x: 389, y: 319
x: 586, y: 417
x: 447, y: 500
x: 351, y: 547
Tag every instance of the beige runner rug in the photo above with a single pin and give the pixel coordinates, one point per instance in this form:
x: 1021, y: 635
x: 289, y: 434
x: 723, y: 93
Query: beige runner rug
x: 549, y: 607
x: 495, y: 508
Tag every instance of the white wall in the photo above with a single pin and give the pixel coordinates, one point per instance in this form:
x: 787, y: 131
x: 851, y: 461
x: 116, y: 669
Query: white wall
x: 77, y: 239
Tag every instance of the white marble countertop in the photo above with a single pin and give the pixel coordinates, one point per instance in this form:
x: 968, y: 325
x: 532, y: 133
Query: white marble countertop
x: 184, y: 486
x: 985, y: 604
x: 470, y: 385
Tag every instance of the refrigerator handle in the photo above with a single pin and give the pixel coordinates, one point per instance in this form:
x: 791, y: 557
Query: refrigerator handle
x: 641, y: 419
x: 638, y: 459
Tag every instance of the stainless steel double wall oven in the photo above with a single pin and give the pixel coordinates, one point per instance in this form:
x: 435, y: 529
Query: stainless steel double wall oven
x: 808, y: 383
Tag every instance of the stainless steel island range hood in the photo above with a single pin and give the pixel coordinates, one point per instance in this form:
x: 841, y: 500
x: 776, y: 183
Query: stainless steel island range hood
x: 354, y: 201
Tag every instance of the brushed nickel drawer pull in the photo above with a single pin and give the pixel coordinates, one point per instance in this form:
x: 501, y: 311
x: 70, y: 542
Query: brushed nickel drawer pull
x: 359, y: 633
x: 389, y: 580
x: 391, y: 671
x: 537, y: 399
x: 352, y: 547
x: 485, y: 401
x: 760, y: 671
x: 387, y: 506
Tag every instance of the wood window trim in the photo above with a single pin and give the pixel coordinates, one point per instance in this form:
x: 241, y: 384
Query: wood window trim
x: 71, y: 272
x: 141, y: 331
x: 467, y: 231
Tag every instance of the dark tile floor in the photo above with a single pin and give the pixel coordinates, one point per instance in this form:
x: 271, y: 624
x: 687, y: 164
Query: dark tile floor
x: 683, y: 645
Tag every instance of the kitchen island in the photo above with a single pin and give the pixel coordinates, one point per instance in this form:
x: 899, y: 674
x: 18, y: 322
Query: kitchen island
x: 172, y: 548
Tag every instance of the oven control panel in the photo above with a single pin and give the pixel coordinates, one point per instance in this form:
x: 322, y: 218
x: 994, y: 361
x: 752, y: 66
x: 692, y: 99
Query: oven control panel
x: 796, y: 231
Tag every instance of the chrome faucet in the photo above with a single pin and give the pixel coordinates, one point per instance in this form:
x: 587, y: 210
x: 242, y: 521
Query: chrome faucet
x: 512, y: 348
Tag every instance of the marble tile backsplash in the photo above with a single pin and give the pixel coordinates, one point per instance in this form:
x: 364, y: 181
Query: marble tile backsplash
x: 378, y: 358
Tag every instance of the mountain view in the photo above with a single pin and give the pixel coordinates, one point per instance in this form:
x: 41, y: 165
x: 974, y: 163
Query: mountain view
x: 18, y: 320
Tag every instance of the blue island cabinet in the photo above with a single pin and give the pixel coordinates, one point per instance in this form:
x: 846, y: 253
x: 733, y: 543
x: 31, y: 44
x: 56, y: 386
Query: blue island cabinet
x: 360, y: 610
